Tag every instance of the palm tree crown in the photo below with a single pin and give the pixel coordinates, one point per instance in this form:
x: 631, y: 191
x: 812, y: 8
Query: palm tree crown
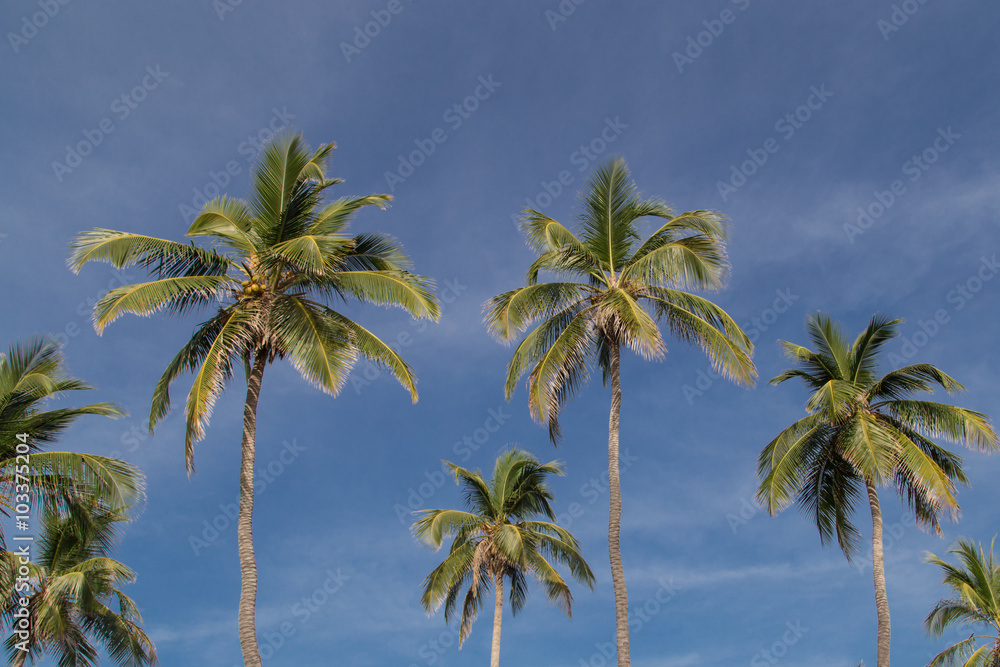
x: 863, y: 427
x: 976, y: 602
x: 283, y: 257
x: 619, y: 287
x: 499, y: 538
x: 31, y: 373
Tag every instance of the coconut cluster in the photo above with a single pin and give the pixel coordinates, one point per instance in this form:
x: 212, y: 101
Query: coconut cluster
x: 251, y: 288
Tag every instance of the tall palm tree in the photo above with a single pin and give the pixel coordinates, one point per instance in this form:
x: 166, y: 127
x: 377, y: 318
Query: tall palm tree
x: 976, y: 601
x: 616, y: 290
x: 75, y: 585
x: 499, y: 538
x: 283, y: 258
x: 864, y: 431
x: 31, y: 373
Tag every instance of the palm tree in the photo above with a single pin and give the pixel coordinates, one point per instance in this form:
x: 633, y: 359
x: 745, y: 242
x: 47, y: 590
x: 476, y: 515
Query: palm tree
x: 619, y: 289
x: 31, y: 373
x: 497, y: 539
x: 283, y: 258
x: 74, y: 585
x: 864, y: 431
x: 976, y: 584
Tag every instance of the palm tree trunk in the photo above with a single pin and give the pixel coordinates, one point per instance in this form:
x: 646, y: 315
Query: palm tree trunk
x: 497, y: 618
x: 878, y: 567
x: 244, y: 522
x: 615, y: 517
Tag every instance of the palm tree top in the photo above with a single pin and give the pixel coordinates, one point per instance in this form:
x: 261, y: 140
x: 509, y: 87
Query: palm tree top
x: 975, y: 582
x: 863, y: 426
x: 499, y: 536
x: 32, y: 372
x: 275, y: 262
x: 611, y: 288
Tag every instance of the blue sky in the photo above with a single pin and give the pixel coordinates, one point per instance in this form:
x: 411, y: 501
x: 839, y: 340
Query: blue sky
x: 802, y: 125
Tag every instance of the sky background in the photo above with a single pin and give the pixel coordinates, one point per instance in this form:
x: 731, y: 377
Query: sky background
x: 712, y: 580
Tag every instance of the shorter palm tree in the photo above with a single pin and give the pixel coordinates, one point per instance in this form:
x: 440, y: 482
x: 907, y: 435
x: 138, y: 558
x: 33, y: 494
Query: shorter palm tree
x: 500, y: 539
x: 74, y: 585
x: 976, y: 583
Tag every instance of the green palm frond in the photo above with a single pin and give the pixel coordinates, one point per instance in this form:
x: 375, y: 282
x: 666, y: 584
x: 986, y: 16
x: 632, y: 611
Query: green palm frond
x: 783, y: 464
x: 392, y: 288
x: 313, y: 253
x: 913, y: 379
x: 123, y: 250
x: 707, y: 223
x: 971, y: 428
x: 231, y: 342
x: 227, y: 219
x: 371, y: 347
x: 697, y: 262
x: 532, y: 349
x: 175, y: 294
x: 560, y: 368
x: 319, y: 346
x: 829, y: 340
x: 335, y: 217
x: 98, y: 480
x: 699, y: 322
x: 625, y: 320
x: 511, y: 312
x: 864, y: 352
x: 609, y: 214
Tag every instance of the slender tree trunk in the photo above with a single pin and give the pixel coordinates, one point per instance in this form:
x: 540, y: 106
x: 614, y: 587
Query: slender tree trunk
x: 497, y: 619
x: 244, y: 522
x: 615, y: 517
x: 878, y: 567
